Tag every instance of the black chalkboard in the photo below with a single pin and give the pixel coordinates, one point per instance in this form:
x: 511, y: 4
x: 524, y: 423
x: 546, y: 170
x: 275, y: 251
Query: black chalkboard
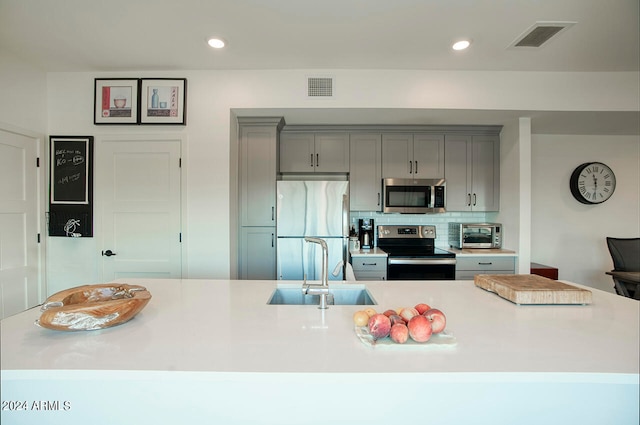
x: 71, y: 186
x: 70, y: 160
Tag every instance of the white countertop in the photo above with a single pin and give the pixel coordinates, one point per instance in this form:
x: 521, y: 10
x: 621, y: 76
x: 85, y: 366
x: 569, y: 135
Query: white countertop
x: 213, y: 351
x: 477, y: 252
x: 219, y: 325
x: 372, y: 252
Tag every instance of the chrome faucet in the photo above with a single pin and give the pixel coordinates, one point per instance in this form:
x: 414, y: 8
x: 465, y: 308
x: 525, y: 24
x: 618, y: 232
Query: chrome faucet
x: 323, y: 288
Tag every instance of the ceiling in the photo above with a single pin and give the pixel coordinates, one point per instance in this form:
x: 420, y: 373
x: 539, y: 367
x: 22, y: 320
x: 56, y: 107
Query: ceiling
x: 166, y: 35
x: 123, y: 35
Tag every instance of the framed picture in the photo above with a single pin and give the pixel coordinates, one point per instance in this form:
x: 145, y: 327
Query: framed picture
x: 163, y: 101
x: 116, y: 101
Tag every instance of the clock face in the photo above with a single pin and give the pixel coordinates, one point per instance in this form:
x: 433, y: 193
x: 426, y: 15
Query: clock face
x: 592, y: 183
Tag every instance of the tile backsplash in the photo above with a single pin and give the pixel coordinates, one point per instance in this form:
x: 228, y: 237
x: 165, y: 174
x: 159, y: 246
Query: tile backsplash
x: 440, y: 220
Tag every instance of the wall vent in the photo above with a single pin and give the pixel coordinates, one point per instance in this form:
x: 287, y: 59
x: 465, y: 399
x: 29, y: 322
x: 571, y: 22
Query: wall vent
x: 319, y: 87
x: 540, y: 33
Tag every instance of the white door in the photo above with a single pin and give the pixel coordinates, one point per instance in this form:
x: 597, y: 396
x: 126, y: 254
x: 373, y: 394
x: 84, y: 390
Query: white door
x: 19, y: 250
x: 140, y: 191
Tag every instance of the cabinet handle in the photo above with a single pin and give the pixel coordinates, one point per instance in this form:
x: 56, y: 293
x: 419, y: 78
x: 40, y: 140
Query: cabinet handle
x: 369, y: 264
x: 484, y: 264
x: 474, y: 199
x: 311, y: 162
x: 378, y: 198
x: 410, y: 167
x: 273, y: 212
x: 272, y: 241
x: 416, y: 167
x: 317, y: 160
x: 469, y: 203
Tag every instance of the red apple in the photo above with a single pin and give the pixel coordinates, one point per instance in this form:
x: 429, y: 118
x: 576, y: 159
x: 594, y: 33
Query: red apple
x: 394, y: 318
x: 399, y: 333
x: 379, y: 326
x: 419, y: 328
x: 408, y: 312
x: 437, y: 318
x: 422, y: 307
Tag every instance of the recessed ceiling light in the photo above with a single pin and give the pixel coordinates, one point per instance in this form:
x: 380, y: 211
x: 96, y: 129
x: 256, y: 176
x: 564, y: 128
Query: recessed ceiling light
x: 216, y: 43
x: 461, y: 45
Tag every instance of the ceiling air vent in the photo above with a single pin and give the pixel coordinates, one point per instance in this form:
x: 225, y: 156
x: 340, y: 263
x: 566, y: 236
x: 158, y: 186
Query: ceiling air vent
x: 540, y: 33
x: 319, y: 87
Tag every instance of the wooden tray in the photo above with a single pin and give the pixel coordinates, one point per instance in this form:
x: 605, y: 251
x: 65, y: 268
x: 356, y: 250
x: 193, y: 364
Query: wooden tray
x: 90, y: 307
x: 532, y: 289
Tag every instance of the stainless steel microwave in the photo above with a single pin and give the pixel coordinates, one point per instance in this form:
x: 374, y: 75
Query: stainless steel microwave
x: 413, y: 196
x: 475, y: 235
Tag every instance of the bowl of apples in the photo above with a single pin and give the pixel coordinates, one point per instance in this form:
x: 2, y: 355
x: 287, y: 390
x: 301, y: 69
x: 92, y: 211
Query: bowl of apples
x: 420, y: 326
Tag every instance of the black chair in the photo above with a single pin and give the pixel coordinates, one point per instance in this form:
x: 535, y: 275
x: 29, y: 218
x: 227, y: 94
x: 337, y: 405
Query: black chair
x: 625, y: 253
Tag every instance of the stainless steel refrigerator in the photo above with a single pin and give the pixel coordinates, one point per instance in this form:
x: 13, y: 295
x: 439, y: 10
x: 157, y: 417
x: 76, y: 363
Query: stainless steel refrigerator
x: 311, y: 208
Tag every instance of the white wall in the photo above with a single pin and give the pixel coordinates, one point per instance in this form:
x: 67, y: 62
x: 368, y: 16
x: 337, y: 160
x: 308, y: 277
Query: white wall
x: 23, y: 90
x: 212, y: 95
x: 570, y: 235
x: 509, y: 214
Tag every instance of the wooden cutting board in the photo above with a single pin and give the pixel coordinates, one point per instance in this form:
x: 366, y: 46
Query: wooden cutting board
x: 532, y: 289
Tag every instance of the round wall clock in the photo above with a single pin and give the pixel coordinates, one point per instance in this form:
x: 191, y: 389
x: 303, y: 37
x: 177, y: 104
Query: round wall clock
x: 592, y: 183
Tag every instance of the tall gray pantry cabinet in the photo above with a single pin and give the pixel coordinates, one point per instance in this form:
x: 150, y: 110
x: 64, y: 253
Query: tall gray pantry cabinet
x: 258, y: 141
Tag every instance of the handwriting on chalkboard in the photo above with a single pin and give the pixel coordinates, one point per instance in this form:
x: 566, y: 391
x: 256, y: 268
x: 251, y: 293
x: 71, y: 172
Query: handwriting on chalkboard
x: 70, y: 171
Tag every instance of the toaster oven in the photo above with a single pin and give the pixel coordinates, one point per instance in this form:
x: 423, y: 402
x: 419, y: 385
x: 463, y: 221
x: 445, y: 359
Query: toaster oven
x: 475, y: 235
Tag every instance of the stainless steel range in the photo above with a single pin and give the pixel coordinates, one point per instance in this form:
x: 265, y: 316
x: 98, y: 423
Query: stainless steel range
x: 413, y: 255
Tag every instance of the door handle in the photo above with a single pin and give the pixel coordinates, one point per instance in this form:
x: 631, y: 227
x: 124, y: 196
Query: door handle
x: 108, y: 253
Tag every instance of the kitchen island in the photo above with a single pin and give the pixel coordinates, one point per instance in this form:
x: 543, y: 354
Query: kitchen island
x: 213, y: 351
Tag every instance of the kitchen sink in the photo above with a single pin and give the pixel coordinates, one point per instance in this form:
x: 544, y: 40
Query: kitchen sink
x: 337, y: 296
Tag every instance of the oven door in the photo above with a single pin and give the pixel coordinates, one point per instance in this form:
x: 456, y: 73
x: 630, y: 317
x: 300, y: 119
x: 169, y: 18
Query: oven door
x: 477, y: 237
x: 401, y: 268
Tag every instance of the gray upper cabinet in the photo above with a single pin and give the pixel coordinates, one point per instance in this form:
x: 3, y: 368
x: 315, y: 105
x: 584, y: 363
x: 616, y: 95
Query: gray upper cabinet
x: 472, y: 165
x: 417, y: 155
x: 258, y: 167
x: 365, y: 175
x: 306, y: 152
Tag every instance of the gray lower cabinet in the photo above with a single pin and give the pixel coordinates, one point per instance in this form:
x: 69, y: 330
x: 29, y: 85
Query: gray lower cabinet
x: 369, y: 267
x: 258, y: 253
x: 365, y: 172
x: 303, y: 152
x: 472, y: 172
x: 468, y: 267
